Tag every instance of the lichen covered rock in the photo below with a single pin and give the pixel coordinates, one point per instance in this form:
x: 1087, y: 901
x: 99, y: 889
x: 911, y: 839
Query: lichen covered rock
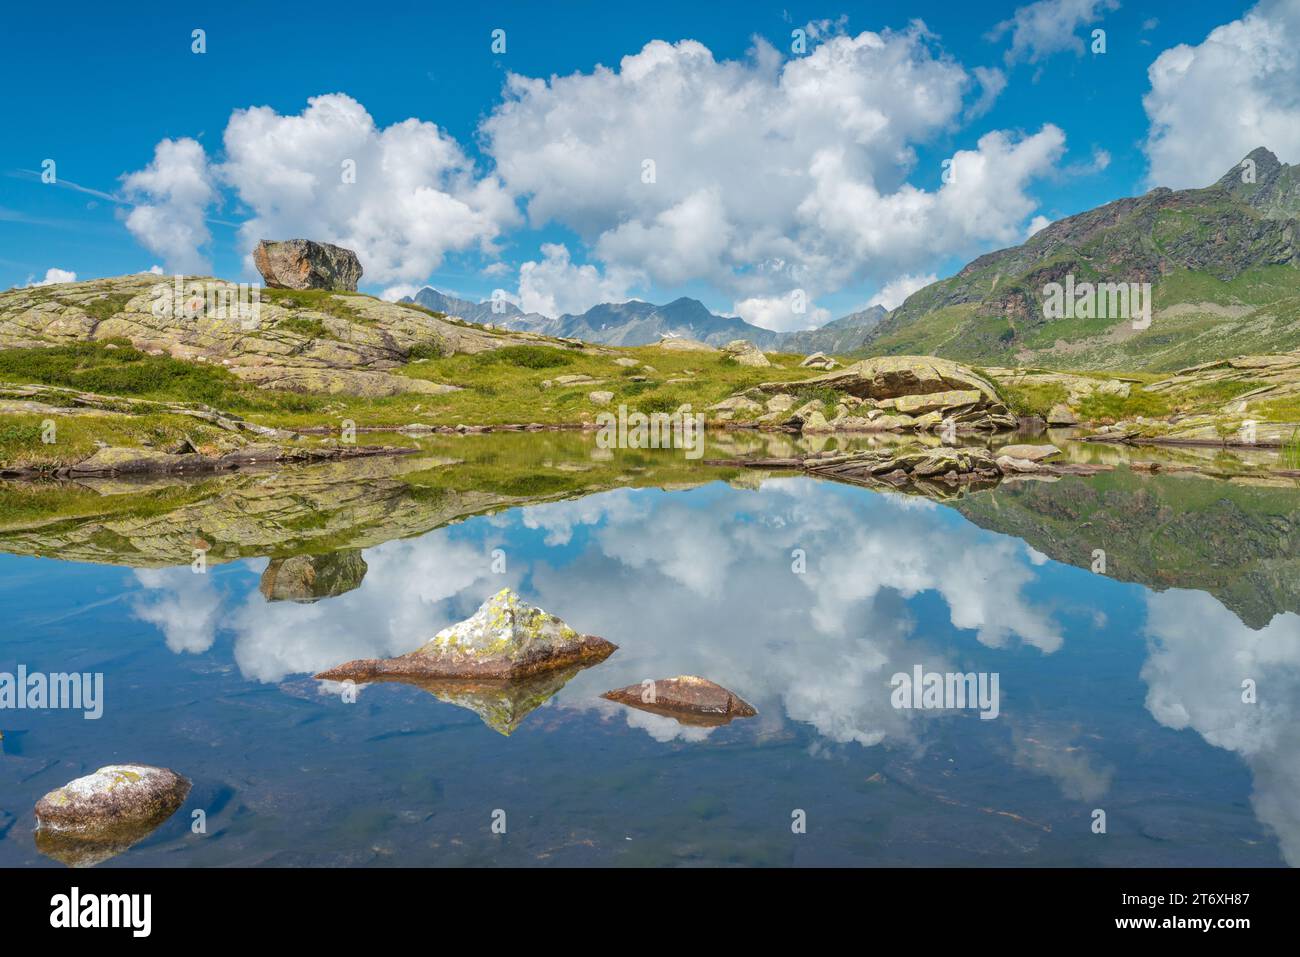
x: 116, y: 796
x: 505, y: 638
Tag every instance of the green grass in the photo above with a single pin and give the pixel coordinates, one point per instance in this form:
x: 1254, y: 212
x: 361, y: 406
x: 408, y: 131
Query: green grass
x: 76, y: 437
x: 328, y: 301
x: 114, y: 367
x: 1107, y: 408
x: 108, y: 306
x: 1035, y: 398
x: 825, y: 395
x: 1291, y: 451
x: 526, y: 357
x: 312, y: 327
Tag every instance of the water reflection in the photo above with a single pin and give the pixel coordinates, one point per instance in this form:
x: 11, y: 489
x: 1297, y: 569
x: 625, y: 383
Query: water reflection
x: 805, y: 597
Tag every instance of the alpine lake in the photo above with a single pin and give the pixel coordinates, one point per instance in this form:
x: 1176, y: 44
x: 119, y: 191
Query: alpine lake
x: 1143, y: 630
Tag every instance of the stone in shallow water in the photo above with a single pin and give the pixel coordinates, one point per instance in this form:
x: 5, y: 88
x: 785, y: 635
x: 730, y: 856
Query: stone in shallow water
x: 505, y: 638
x: 1034, y: 453
x: 688, y: 698
x: 114, y: 794
x: 101, y: 815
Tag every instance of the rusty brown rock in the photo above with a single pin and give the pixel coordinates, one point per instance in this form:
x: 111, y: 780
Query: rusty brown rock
x: 688, y: 698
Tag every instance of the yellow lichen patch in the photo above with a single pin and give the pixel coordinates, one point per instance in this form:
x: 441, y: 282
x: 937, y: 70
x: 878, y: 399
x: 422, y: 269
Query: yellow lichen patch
x: 123, y: 776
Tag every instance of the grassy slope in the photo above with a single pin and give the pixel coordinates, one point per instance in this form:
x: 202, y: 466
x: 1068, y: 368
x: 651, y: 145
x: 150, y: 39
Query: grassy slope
x: 498, y: 387
x: 1256, y: 312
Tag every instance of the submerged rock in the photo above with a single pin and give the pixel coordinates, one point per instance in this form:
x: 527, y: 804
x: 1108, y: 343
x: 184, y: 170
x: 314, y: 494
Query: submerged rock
x: 306, y: 264
x: 505, y: 638
x: 101, y: 815
x: 688, y: 698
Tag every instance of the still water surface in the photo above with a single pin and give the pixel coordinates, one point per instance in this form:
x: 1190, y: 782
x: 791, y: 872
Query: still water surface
x: 1118, y: 691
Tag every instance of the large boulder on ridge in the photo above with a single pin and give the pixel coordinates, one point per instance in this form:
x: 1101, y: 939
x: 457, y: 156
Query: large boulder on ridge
x: 505, y: 638
x: 306, y: 264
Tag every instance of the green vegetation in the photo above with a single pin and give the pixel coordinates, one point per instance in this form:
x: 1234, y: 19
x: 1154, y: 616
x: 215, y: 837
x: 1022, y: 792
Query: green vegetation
x: 313, y: 327
x: 77, y: 437
x: 1106, y: 408
x: 327, y: 301
x: 114, y: 367
x: 106, y: 307
x: 1031, y: 398
x: 1291, y: 451
x: 827, y: 396
x: 517, y: 384
x: 526, y: 357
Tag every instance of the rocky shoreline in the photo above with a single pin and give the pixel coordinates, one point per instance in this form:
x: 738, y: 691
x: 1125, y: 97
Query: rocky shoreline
x: 112, y: 462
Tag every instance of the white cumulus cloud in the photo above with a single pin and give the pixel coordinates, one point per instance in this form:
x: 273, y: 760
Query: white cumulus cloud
x: 1039, y: 30
x: 780, y: 313
x: 53, y: 275
x: 172, y: 195
x: 1212, y: 103
x: 735, y: 172
x: 893, y: 293
x: 402, y: 197
x: 555, y: 285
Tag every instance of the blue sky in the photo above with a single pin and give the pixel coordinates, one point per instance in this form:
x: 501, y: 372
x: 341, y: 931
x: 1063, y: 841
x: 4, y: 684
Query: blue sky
x: 737, y: 224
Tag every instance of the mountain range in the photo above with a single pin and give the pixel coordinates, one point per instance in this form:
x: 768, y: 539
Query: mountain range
x: 637, y: 323
x: 1219, y: 267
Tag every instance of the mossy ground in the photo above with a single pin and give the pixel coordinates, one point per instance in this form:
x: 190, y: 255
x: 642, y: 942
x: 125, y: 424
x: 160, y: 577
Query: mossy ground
x: 23, y: 437
x: 505, y: 386
x: 114, y: 367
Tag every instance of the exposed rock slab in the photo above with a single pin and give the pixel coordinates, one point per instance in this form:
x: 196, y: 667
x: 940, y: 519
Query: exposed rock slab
x: 345, y: 344
x: 888, y: 377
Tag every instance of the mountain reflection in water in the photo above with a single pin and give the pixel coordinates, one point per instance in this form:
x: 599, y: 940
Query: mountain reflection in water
x: 1120, y: 691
